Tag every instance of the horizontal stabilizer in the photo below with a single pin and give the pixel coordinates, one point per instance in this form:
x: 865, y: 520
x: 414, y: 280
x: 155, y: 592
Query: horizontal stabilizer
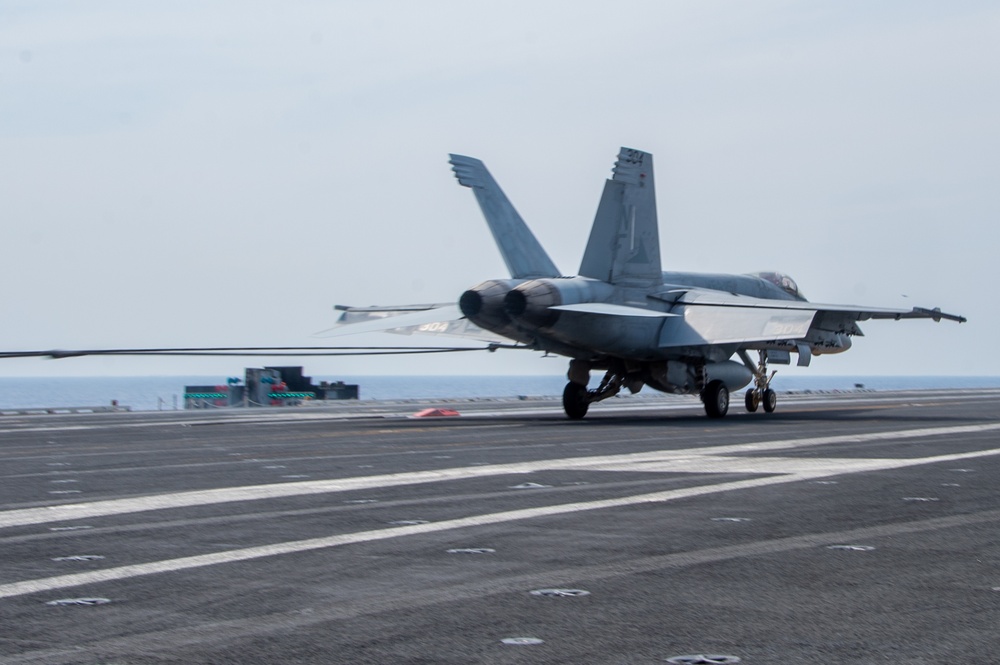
x: 607, y: 309
x: 376, y: 319
x: 439, y: 320
x: 521, y: 251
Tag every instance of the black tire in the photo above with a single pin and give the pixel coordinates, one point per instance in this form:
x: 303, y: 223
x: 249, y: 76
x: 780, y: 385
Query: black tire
x: 752, y: 400
x: 716, y: 399
x: 770, y: 400
x: 575, y: 402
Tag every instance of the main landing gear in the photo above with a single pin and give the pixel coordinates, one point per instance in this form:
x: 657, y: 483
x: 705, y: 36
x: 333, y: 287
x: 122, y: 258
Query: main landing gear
x: 761, y: 394
x: 577, y: 399
x: 716, y: 399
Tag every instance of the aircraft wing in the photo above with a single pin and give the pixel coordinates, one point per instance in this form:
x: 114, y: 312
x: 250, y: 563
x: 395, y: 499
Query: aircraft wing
x: 713, y: 317
x: 859, y: 312
x: 431, y: 319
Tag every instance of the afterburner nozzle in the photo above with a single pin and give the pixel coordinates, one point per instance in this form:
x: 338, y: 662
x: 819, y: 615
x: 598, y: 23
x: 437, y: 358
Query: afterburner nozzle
x: 483, y: 304
x: 471, y: 303
x: 529, y: 304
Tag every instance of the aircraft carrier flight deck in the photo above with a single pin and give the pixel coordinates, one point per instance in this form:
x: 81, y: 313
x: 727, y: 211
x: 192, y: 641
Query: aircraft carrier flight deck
x: 850, y: 528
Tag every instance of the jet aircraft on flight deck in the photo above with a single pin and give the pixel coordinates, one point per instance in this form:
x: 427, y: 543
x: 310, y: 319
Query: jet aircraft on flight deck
x: 676, y: 332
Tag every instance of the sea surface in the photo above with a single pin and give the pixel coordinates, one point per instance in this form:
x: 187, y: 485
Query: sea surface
x: 150, y: 393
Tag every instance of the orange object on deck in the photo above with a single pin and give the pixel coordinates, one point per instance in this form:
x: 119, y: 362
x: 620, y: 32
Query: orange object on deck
x: 435, y: 413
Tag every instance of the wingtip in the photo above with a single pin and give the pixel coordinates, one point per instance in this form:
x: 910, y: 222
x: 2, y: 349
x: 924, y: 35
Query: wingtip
x: 936, y: 314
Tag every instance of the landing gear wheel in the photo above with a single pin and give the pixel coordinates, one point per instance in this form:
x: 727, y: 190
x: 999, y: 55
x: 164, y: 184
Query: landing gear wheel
x: 716, y: 398
x: 770, y: 400
x: 761, y: 394
x: 575, y: 400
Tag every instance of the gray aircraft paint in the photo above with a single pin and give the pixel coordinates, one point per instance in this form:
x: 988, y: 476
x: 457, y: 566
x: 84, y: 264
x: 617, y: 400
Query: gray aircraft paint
x: 673, y: 331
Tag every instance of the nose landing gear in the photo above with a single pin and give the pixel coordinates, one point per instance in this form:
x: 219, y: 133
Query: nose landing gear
x: 761, y: 394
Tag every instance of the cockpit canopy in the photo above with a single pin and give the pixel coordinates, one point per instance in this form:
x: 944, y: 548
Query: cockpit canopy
x: 782, y: 281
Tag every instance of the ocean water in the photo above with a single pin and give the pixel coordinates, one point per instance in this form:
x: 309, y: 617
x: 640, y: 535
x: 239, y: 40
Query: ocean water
x: 150, y: 393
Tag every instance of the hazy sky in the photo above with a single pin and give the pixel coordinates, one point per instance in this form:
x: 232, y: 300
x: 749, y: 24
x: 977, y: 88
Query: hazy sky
x: 206, y: 173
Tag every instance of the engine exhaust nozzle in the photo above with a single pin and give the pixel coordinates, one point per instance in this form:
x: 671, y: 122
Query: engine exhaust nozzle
x: 483, y: 304
x: 529, y: 304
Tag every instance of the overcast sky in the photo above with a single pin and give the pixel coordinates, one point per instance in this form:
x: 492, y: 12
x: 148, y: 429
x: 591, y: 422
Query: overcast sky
x: 206, y: 173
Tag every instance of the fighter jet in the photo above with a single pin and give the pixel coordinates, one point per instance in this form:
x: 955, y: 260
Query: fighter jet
x: 676, y: 332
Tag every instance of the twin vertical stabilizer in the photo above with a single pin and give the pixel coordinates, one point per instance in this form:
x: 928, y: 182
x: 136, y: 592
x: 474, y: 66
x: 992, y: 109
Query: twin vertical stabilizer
x: 624, y: 245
